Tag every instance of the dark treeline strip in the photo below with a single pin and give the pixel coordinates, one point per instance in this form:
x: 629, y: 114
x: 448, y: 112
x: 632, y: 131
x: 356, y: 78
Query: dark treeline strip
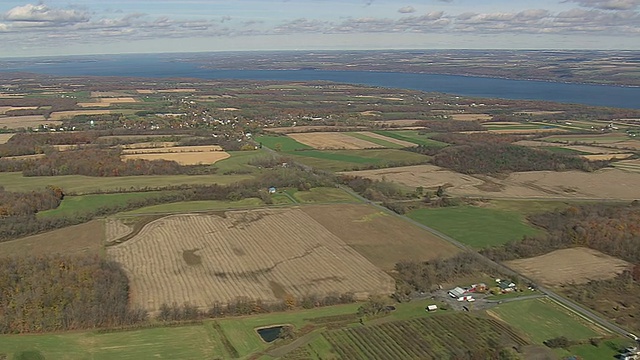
x: 57, y: 292
x: 499, y: 158
x: 611, y: 229
x: 29, y: 203
x: 12, y: 227
x: 482, y: 138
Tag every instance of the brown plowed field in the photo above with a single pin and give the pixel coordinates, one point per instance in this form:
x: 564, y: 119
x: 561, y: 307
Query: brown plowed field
x: 386, y: 138
x: 382, y: 238
x: 574, y: 265
x: 260, y: 254
x: 183, y: 155
x: 59, y: 115
x: 87, y: 238
x: 15, y: 122
x: 332, y: 140
x: 427, y: 176
x: 5, y: 137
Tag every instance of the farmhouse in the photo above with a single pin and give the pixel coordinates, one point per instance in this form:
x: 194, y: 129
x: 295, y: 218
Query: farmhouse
x: 506, y: 285
x: 457, y: 292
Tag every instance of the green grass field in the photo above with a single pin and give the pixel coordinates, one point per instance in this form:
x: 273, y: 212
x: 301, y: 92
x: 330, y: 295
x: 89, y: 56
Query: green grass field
x: 204, y: 205
x: 324, y: 195
x: 413, y: 136
x: 284, y: 143
x: 238, y: 162
x: 78, y: 184
x: 342, y: 160
x: 475, y: 226
x: 542, y: 319
x: 88, y: 203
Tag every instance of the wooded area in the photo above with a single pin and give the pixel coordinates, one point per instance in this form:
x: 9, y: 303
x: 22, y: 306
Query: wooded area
x: 58, y: 292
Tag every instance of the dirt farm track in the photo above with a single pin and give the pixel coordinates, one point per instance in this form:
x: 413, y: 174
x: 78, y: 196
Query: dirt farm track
x: 260, y: 254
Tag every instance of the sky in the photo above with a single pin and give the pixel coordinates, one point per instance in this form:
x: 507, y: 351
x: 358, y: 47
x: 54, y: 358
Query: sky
x: 80, y: 27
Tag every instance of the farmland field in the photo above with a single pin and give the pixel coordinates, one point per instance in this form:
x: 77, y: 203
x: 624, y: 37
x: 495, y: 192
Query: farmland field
x: 628, y: 165
x: 471, y: 117
x: 85, y: 238
x: 434, y: 337
x: 388, y: 142
x: 78, y: 184
x: 382, y: 238
x: 83, y: 203
x: 332, y: 140
x: 543, y: 319
x: 339, y: 160
x: 476, y: 226
x: 33, y: 121
x: 182, y: 158
x: 261, y: 254
x: 530, y: 184
x: 5, y: 137
x: 412, y: 136
x: 59, y: 115
x: 567, y: 266
x: 283, y: 143
x: 197, y: 206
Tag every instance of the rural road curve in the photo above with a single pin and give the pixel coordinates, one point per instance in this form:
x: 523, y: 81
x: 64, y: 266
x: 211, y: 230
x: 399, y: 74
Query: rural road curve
x: 578, y: 309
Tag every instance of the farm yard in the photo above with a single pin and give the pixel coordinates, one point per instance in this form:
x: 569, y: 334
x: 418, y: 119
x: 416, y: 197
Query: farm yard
x: 260, y: 254
x: 568, y: 266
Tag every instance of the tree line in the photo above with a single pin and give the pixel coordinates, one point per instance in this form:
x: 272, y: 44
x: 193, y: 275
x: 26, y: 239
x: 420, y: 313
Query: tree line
x: 29, y: 203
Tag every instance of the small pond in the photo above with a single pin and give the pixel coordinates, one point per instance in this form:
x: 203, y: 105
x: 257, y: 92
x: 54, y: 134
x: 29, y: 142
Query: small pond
x: 270, y: 334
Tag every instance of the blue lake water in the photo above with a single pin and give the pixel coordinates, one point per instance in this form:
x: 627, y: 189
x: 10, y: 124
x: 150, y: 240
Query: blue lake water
x: 167, y: 66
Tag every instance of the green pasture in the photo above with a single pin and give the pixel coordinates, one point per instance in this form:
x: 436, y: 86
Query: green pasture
x: 475, y: 226
x: 343, y: 160
x: 283, y: 142
x: 324, y: 195
x: 185, y: 342
x: 203, y: 205
x: 542, y: 319
x: 238, y: 162
x: 88, y: 203
x: 413, y: 136
x: 79, y: 184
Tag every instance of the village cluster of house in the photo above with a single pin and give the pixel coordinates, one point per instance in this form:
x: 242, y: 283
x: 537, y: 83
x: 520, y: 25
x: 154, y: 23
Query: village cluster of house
x: 466, y: 293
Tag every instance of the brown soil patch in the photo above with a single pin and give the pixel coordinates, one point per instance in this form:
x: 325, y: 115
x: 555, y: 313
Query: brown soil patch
x: 371, y: 113
x: 539, y: 112
x: 471, y: 117
x: 630, y: 144
x: 59, y: 115
x: 93, y: 104
x: 405, y: 122
x: 5, y: 137
x: 116, y: 229
x: 85, y: 238
x: 574, y: 265
x: 386, y: 138
x: 34, y: 121
x: 118, y: 100
x: 427, y: 176
x: 228, y: 109
x: 382, y: 238
x: 594, y: 157
x: 177, y: 90
x: 25, y: 157
x: 182, y: 158
x: 332, y: 140
x: 281, y: 246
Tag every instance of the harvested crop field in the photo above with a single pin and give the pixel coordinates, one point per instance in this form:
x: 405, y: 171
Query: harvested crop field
x: 382, y: 238
x: 59, y: 115
x: 5, y: 137
x: 5, y: 109
x: 403, y: 122
x: 182, y: 158
x: 427, y: 176
x: 471, y: 117
x: 260, y: 254
x: 574, y: 265
x: 386, y: 138
x: 594, y: 157
x: 183, y: 155
x: 310, y: 128
x: 332, y: 140
x: 602, y: 184
x: 34, y: 121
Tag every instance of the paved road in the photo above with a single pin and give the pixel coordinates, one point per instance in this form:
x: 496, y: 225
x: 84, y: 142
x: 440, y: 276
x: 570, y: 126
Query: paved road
x: 585, y: 313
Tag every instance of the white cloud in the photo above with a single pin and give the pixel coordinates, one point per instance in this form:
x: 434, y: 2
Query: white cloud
x: 407, y: 10
x: 42, y: 13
